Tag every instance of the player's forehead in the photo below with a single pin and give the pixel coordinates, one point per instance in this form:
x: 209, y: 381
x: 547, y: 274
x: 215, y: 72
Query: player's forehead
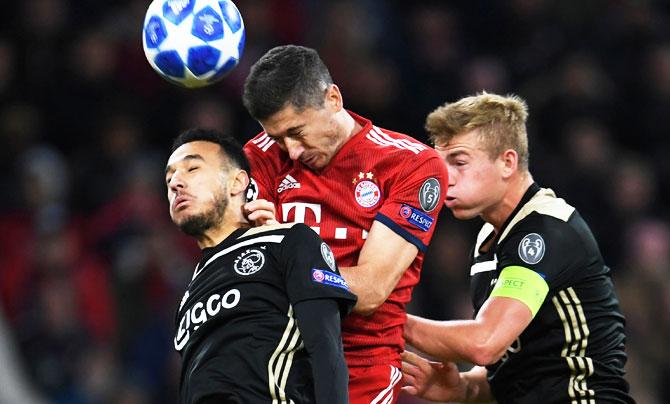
x: 462, y: 143
x: 200, y: 150
x: 287, y: 119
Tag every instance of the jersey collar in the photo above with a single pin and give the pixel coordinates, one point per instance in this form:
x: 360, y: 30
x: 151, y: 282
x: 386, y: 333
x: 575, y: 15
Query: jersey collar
x: 208, y: 252
x: 527, y: 196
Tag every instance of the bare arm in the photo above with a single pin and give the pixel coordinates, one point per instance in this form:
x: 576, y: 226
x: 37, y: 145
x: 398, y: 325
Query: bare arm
x: 438, y: 381
x: 482, y: 341
x: 383, y: 260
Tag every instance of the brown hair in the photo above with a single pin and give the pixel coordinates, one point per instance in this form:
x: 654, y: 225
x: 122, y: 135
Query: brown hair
x: 501, y: 121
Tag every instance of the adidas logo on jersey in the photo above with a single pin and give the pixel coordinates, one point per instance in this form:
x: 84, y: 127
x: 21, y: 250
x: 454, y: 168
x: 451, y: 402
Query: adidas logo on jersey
x: 288, y: 183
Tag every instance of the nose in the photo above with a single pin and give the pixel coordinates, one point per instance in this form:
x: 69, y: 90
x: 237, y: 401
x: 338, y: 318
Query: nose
x: 176, y: 183
x: 451, y: 175
x: 293, y: 147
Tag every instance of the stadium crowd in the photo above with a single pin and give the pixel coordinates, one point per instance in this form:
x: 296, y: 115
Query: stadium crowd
x: 91, y: 269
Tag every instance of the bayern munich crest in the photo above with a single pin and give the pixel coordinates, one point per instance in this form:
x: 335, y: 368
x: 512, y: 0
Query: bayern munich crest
x: 367, y: 194
x: 249, y: 262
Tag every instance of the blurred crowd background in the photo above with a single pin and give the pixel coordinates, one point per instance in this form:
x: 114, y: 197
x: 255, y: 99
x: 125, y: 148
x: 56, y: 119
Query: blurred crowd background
x: 92, y: 269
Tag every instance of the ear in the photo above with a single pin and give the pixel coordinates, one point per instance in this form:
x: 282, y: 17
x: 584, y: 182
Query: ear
x: 334, y: 98
x: 510, y: 163
x: 240, y: 182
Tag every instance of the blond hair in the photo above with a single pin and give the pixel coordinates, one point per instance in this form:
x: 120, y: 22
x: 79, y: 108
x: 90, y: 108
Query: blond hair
x: 501, y: 121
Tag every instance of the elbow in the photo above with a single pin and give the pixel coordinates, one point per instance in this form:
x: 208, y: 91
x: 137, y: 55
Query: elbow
x: 367, y: 305
x: 483, y: 354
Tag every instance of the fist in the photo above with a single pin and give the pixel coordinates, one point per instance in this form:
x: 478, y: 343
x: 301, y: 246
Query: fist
x: 260, y: 212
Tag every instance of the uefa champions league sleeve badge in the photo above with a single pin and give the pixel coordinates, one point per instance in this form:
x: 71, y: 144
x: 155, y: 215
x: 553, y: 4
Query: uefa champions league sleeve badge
x: 531, y: 248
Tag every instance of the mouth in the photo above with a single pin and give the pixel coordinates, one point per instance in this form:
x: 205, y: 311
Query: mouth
x: 180, y: 202
x: 450, y: 201
x: 308, y: 161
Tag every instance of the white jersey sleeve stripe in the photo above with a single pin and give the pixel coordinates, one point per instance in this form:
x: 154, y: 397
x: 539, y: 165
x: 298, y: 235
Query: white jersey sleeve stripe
x: 263, y: 142
x: 267, y: 145
x: 384, y: 395
x: 374, y: 136
x: 281, y: 360
x: 379, y: 142
x: 414, y: 147
x: 419, y: 146
x: 263, y: 137
x: 389, y: 142
x: 405, y: 142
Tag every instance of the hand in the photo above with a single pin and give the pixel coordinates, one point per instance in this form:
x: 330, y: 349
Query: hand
x: 433, y: 381
x: 260, y: 212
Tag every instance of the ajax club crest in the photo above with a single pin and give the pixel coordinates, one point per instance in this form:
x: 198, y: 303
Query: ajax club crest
x: 249, y: 262
x: 367, y: 192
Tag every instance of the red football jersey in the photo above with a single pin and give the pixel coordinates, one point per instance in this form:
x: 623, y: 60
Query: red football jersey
x: 376, y: 175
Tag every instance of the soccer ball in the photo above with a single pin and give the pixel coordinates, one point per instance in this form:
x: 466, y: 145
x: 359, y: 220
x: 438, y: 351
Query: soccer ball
x: 193, y: 43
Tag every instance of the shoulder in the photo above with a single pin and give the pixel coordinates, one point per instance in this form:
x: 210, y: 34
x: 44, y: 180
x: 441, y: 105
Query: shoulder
x: 388, y: 142
x: 280, y: 233
x: 543, y: 212
x: 402, y: 155
x: 263, y: 147
x: 269, y: 230
x: 266, y: 159
x: 261, y: 142
x: 541, y: 234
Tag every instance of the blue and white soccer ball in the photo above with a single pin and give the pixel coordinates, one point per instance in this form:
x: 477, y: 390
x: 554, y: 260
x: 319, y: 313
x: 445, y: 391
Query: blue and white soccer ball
x: 193, y: 43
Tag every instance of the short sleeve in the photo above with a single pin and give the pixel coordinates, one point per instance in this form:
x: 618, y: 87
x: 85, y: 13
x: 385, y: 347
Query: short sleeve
x: 261, y: 155
x: 415, y: 199
x: 311, y: 271
x: 546, y: 245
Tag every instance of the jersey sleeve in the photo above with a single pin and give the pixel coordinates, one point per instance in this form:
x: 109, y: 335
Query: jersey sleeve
x: 261, y: 153
x: 415, y: 199
x: 320, y: 327
x: 311, y: 271
x: 545, y: 245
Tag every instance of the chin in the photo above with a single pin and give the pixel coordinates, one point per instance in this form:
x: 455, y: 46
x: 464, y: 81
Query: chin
x: 183, y: 218
x: 179, y: 221
x: 463, y: 214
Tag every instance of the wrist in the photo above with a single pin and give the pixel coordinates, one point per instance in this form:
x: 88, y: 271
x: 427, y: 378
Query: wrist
x: 469, y: 388
x: 477, y: 388
x: 408, y: 332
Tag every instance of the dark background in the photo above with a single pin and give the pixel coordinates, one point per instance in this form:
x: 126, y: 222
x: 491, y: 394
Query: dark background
x: 91, y: 268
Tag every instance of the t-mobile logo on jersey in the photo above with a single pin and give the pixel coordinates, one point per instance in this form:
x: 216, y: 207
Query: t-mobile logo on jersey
x: 300, y: 215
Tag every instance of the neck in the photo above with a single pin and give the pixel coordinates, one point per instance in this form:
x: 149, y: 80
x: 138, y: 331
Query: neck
x: 349, y: 125
x: 498, y: 214
x: 233, y: 219
x: 346, y: 128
